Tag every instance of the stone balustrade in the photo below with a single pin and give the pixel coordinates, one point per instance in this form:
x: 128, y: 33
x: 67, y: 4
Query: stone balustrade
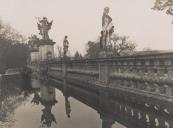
x: 149, y: 73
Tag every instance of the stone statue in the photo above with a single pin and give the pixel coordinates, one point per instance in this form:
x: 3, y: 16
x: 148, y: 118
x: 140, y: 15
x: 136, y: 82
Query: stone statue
x: 106, y: 19
x: 107, y: 27
x: 33, y: 38
x: 33, y: 41
x: 44, y: 26
x: 65, y: 45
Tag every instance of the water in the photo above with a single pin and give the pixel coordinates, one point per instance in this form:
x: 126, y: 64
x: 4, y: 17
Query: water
x: 49, y: 104
x: 19, y: 109
x: 29, y: 115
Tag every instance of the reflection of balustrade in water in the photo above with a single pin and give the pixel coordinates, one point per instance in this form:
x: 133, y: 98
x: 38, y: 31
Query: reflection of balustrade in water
x: 113, y: 110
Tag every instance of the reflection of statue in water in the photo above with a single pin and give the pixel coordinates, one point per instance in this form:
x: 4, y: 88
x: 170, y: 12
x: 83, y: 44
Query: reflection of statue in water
x: 67, y: 107
x: 107, y: 29
x: 47, y: 99
x: 65, y: 45
x: 47, y: 117
x: 44, y: 26
x: 36, y: 98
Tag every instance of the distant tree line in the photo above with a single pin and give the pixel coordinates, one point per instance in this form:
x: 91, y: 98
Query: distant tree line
x: 13, y: 49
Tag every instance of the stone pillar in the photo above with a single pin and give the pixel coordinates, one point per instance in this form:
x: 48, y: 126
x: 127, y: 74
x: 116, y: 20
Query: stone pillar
x: 104, y: 73
x: 46, y: 49
x: 64, y: 70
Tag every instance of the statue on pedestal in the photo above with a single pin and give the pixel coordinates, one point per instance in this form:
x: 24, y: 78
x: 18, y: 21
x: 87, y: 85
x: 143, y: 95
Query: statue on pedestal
x: 107, y: 28
x: 65, y: 45
x: 44, y: 26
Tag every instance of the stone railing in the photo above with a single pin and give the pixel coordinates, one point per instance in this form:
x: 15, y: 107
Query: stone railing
x: 151, y: 73
x: 153, y: 65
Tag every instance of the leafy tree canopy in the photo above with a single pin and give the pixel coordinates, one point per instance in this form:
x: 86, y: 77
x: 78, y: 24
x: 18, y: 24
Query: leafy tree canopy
x: 13, y: 48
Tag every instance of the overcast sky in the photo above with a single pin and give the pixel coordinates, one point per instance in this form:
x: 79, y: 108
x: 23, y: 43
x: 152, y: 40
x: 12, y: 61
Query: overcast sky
x: 81, y: 20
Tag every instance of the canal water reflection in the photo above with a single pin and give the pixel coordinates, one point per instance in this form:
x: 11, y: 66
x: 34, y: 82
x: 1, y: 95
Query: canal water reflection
x: 50, y: 104
x: 41, y: 105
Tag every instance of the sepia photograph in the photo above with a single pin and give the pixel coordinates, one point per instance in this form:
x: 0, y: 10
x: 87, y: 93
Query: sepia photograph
x: 86, y: 63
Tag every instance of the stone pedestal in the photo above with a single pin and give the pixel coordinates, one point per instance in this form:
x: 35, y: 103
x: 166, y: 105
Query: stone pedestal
x: 46, y: 48
x: 47, y: 93
x: 64, y: 70
x: 103, y: 72
x: 104, y: 69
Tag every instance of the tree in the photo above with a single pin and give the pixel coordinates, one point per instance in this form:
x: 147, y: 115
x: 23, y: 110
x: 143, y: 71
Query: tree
x: 93, y: 49
x: 122, y: 46
x: 77, y: 56
x: 14, y: 51
x: 118, y: 47
x: 164, y: 5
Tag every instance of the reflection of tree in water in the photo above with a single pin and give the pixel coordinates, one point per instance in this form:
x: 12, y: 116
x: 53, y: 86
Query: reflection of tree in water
x: 11, y: 97
x: 13, y: 92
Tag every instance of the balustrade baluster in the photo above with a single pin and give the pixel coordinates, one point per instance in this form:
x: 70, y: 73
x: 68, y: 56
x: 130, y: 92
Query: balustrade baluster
x: 168, y: 90
x: 157, y: 88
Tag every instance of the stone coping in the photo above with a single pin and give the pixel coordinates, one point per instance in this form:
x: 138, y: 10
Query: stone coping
x: 46, y: 42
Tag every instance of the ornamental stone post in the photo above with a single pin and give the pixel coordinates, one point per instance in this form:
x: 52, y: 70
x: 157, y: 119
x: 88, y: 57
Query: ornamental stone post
x: 104, y: 73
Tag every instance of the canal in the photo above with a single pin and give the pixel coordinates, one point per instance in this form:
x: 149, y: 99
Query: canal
x: 36, y: 105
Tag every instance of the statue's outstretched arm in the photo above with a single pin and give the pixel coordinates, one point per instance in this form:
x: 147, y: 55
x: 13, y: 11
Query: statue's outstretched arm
x: 50, y: 24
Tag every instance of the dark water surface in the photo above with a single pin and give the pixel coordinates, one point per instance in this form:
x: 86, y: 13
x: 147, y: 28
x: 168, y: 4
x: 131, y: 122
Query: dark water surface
x: 41, y: 105
x: 56, y: 104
